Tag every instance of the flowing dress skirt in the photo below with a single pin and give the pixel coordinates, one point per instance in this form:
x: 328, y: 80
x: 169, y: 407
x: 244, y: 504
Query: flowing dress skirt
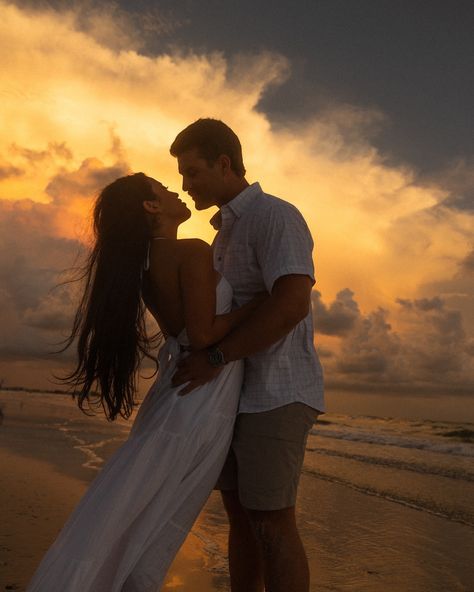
x: 128, y: 527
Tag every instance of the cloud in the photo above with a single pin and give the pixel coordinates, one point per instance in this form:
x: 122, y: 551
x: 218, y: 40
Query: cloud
x: 467, y: 264
x: 54, y: 150
x: 107, y: 22
x: 85, y: 182
x: 54, y: 311
x: 370, y: 348
x: 7, y: 171
x: 463, y: 202
x: 32, y: 258
x: 432, y: 351
x: 436, y: 345
x: 108, y: 107
x: 424, y: 304
x: 458, y: 180
x: 339, y: 317
x: 38, y: 247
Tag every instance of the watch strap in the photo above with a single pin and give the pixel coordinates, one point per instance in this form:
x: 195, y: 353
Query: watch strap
x: 215, y: 356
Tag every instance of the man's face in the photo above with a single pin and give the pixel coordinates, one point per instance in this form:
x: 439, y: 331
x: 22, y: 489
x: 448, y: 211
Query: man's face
x: 205, y: 183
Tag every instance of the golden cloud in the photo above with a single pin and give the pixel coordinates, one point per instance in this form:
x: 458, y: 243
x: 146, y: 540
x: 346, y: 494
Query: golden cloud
x: 79, y: 109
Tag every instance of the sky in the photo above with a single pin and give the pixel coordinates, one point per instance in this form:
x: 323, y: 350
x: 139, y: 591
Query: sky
x: 359, y: 113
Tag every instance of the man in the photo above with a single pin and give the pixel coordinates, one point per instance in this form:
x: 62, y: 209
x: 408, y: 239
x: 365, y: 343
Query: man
x: 263, y: 243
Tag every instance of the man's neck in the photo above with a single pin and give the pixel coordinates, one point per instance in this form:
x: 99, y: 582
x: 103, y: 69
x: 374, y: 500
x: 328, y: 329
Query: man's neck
x: 234, y: 191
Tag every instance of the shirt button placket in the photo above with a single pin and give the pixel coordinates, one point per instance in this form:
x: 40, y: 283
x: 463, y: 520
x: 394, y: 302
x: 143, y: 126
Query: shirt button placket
x: 222, y: 239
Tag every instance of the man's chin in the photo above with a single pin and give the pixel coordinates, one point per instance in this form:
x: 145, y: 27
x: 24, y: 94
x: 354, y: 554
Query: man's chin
x: 202, y: 205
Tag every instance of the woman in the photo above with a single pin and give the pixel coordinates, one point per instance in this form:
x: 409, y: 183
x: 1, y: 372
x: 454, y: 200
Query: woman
x: 128, y: 527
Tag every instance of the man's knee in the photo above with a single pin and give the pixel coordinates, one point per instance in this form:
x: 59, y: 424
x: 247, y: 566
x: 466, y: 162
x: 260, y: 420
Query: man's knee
x: 273, y: 527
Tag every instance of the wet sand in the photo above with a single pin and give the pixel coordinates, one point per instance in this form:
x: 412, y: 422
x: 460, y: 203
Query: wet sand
x: 49, y: 452
x: 44, y: 471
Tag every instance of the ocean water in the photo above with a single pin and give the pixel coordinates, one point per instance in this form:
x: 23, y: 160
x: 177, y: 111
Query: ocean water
x: 427, y: 465
x: 447, y: 406
x: 386, y: 503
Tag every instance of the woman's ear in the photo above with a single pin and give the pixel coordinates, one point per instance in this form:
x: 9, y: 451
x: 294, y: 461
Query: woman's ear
x: 152, y: 206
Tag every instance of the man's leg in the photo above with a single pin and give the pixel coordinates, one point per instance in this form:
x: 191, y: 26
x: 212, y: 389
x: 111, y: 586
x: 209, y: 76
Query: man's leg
x: 259, y: 493
x: 285, y: 565
x: 245, y: 561
x: 264, y: 547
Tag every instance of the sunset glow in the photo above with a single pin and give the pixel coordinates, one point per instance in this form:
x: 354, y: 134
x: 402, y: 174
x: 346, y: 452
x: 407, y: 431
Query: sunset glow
x: 78, y: 112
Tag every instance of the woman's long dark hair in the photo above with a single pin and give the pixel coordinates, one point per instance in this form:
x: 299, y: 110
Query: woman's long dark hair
x: 110, y: 320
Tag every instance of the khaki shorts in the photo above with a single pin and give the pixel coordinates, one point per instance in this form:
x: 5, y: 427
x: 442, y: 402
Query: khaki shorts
x: 266, y: 455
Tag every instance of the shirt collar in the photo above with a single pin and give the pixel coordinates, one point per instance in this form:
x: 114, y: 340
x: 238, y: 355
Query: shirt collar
x: 236, y: 206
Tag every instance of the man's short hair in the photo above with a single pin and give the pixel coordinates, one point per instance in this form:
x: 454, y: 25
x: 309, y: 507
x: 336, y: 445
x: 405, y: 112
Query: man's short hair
x: 211, y: 137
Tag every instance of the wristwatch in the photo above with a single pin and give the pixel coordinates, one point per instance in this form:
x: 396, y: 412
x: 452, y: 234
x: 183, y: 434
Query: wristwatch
x: 215, y: 356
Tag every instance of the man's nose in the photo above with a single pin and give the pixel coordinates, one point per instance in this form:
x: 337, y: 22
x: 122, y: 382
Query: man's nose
x: 186, y: 184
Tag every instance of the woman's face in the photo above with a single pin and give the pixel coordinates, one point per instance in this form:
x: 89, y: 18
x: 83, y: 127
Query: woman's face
x: 170, y: 204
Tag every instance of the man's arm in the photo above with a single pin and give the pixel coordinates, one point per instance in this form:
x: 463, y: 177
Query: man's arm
x: 287, y: 305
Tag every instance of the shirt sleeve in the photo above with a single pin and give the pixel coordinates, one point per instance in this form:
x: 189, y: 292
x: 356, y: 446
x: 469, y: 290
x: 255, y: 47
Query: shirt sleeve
x: 284, y: 244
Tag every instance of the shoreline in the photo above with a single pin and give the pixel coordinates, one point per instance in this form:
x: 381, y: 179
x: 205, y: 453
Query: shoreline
x: 355, y: 542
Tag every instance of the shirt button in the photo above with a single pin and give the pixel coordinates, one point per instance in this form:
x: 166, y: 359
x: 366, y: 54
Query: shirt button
x: 219, y: 258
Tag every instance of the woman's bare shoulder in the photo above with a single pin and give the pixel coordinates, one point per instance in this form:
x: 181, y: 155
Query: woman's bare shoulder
x: 194, y: 253
x: 193, y: 246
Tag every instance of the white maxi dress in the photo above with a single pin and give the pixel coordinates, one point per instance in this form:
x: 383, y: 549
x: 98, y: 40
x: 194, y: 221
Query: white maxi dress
x: 128, y: 527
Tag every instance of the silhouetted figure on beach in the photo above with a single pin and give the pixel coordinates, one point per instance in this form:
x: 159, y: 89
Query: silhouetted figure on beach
x: 263, y: 243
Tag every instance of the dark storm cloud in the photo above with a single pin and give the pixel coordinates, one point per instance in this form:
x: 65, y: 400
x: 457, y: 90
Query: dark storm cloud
x: 339, y: 317
x: 439, y: 347
x: 370, y: 349
x: 410, y: 60
x: 421, y: 304
x: 458, y: 179
x: 134, y: 26
x: 54, y: 312
x: 32, y: 259
x: 463, y: 202
x: 30, y: 255
x: 433, y: 351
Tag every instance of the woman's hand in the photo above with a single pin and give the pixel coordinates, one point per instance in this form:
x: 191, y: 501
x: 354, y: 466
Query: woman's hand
x: 194, y: 370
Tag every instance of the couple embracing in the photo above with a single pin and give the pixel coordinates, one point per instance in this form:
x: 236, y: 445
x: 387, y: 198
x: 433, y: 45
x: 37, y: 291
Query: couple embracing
x: 239, y: 383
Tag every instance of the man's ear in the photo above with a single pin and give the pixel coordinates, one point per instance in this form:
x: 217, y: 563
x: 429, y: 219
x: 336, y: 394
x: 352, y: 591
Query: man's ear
x: 152, y: 206
x: 224, y: 163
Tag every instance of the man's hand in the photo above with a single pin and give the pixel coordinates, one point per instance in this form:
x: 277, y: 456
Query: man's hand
x: 194, y: 370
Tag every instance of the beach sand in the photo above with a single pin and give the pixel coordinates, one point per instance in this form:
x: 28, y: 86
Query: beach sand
x: 357, y: 542
x: 44, y: 471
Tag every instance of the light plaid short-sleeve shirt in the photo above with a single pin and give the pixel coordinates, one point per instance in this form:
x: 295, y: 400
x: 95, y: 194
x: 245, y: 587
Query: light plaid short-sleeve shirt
x: 260, y: 239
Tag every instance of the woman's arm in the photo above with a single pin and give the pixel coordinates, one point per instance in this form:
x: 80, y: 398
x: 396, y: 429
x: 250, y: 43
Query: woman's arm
x: 198, y: 289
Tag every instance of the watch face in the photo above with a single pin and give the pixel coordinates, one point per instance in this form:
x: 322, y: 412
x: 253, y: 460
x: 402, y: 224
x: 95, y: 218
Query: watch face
x: 215, y: 356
